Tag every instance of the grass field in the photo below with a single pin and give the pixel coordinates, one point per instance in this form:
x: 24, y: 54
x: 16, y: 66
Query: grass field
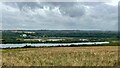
x: 61, y: 56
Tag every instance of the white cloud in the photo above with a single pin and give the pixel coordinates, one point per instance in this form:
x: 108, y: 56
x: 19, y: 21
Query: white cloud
x: 113, y: 2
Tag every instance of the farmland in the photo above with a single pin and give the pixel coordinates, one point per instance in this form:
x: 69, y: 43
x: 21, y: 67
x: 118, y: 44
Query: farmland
x: 64, y: 55
x: 61, y: 56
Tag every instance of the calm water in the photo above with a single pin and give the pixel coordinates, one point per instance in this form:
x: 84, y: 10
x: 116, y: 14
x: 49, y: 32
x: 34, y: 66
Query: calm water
x: 49, y: 44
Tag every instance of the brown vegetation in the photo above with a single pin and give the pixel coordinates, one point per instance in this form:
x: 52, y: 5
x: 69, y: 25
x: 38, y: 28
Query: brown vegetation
x: 61, y: 56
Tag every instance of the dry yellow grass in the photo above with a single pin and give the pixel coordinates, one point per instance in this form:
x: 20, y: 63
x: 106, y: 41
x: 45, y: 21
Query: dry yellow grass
x: 61, y: 56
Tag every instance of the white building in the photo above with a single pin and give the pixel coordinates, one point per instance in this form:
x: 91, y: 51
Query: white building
x: 24, y: 35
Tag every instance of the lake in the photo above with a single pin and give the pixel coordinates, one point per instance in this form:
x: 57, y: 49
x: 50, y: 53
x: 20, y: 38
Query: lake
x: 50, y: 44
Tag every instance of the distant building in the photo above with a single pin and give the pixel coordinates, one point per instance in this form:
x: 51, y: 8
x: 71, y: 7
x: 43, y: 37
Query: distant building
x: 29, y: 32
x: 24, y: 35
x: 17, y: 31
x: 32, y: 39
x: 54, y: 39
x: 83, y: 39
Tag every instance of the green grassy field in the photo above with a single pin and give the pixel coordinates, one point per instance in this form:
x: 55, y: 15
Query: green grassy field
x: 61, y: 56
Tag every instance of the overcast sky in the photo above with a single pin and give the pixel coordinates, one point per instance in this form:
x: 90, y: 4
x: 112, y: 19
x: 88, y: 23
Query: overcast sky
x: 59, y: 15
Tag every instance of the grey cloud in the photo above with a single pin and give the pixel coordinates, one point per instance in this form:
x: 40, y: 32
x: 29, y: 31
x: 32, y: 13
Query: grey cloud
x: 60, y: 4
x: 92, y: 3
x: 73, y: 11
x: 73, y: 15
x: 24, y: 5
x: 66, y: 8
